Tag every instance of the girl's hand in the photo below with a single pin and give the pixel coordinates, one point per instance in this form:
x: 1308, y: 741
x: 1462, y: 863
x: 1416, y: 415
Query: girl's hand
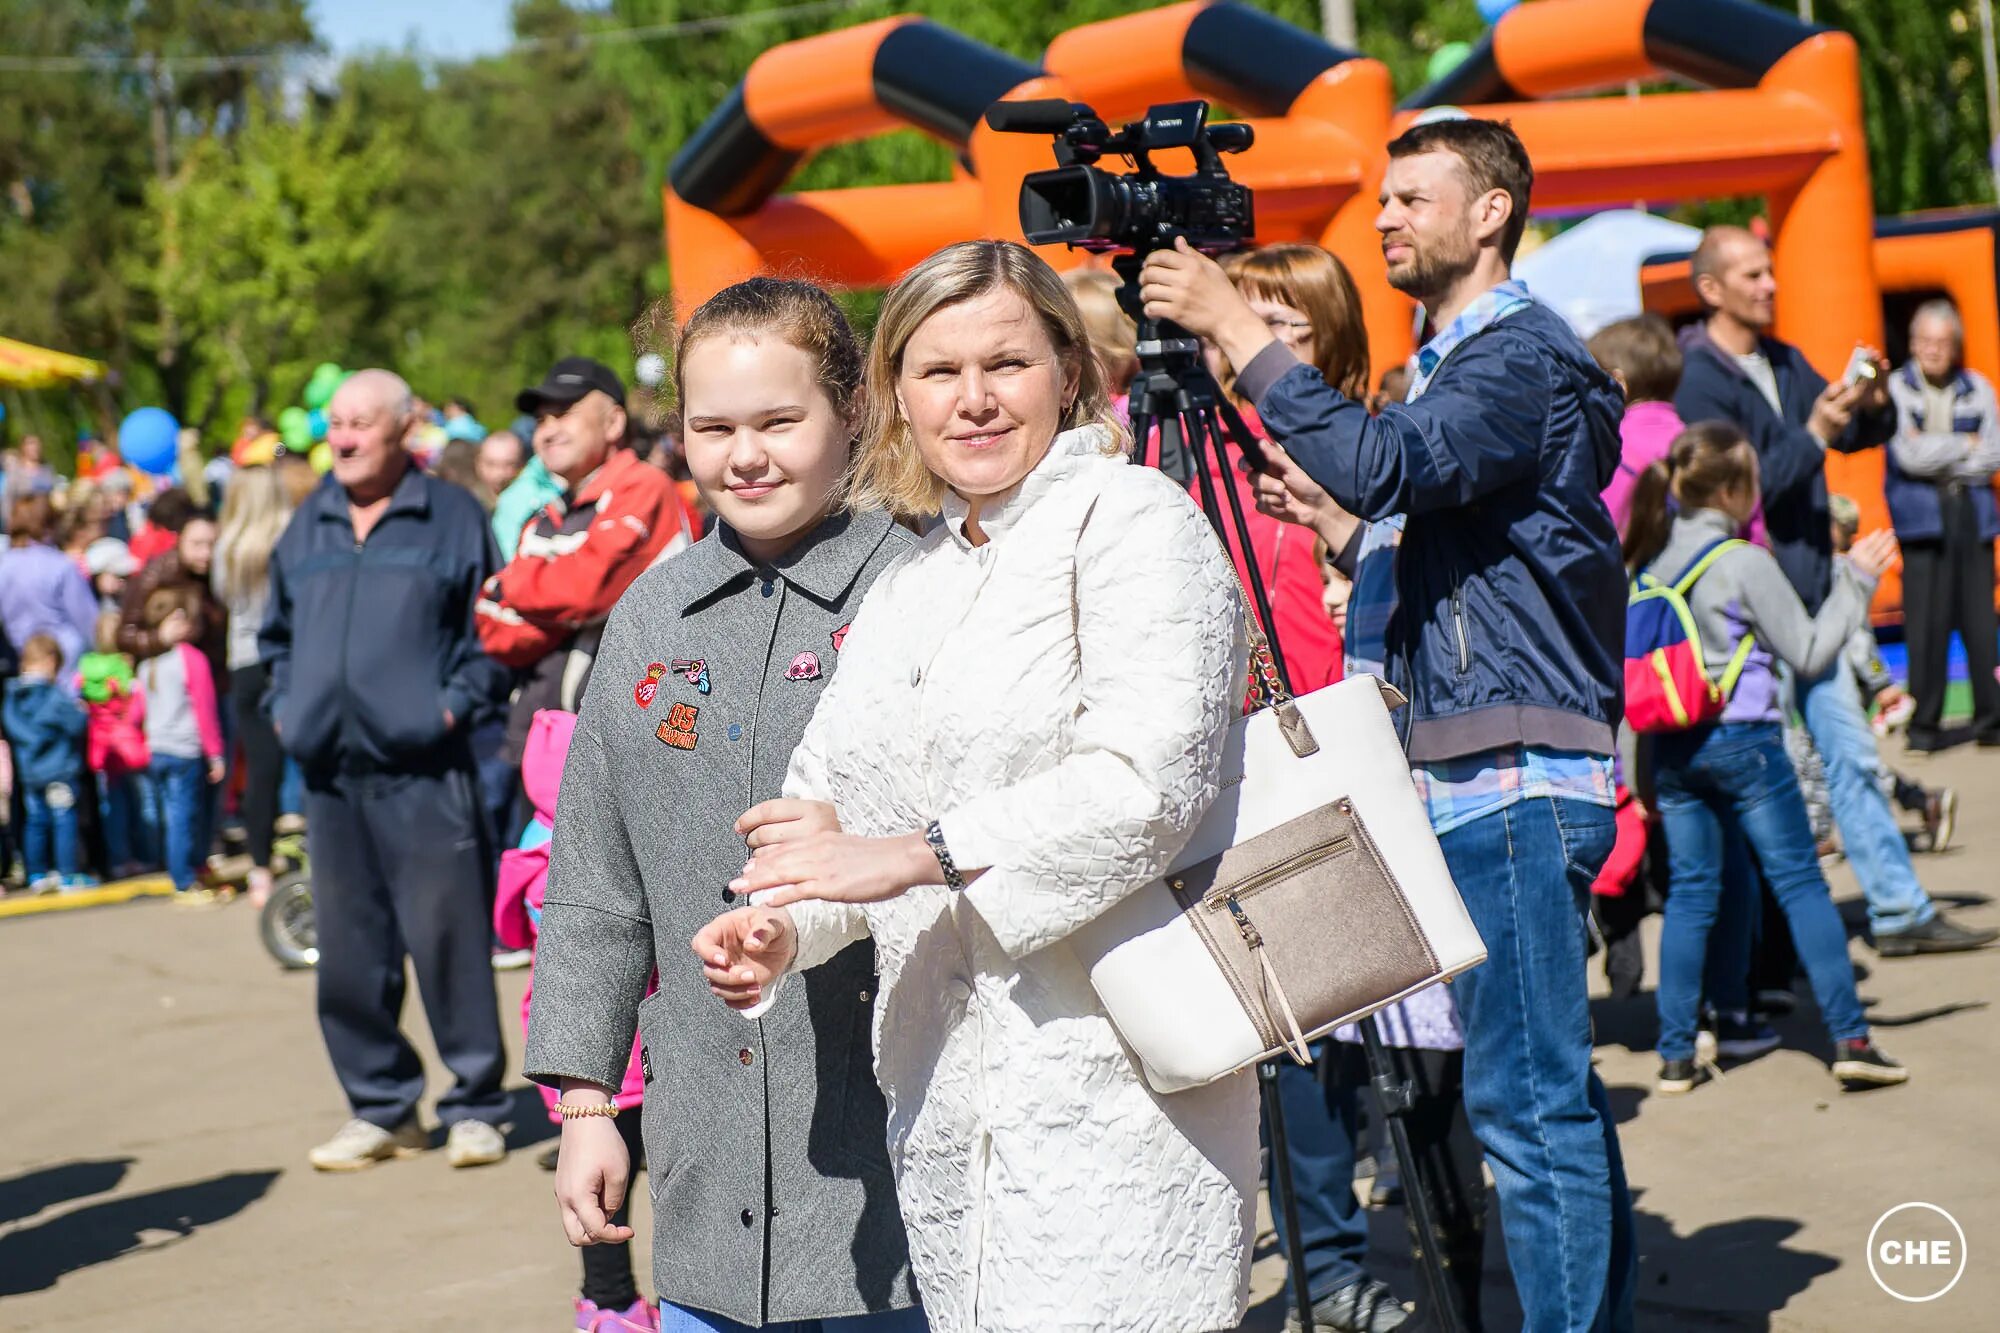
x: 744, y: 951
x: 217, y: 770
x: 786, y: 821
x: 838, y: 868
x: 593, y: 1170
x: 1876, y: 554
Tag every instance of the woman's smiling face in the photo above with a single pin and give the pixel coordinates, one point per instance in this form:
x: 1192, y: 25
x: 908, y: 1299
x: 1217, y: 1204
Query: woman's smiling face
x: 984, y: 392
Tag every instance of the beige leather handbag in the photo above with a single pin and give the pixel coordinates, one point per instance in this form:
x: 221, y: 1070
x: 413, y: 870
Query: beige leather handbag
x: 1312, y: 894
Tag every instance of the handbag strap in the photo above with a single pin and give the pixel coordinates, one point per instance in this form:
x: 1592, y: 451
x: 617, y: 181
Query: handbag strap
x: 1267, y: 687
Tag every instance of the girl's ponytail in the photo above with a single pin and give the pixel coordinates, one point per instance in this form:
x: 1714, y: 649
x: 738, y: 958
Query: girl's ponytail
x: 1646, y: 528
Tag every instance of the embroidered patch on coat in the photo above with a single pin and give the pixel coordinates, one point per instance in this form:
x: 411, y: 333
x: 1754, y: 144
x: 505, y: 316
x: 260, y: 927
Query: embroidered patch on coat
x: 694, y: 671
x: 678, y: 729
x: 643, y: 692
x: 840, y: 636
x: 804, y: 667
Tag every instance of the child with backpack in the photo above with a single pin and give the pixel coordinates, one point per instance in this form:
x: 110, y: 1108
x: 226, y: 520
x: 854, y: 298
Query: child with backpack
x: 116, y: 746
x: 46, y: 725
x: 1711, y: 617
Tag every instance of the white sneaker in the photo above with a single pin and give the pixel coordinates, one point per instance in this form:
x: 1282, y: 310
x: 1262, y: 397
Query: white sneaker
x: 474, y: 1143
x: 512, y: 960
x: 359, y: 1145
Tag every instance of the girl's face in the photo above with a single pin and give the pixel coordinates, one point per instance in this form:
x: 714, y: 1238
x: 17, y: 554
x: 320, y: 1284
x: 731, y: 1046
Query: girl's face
x: 764, y: 443
x: 984, y: 392
x: 1288, y: 324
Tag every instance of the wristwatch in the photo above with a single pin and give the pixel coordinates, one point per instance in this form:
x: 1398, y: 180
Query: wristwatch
x: 934, y: 835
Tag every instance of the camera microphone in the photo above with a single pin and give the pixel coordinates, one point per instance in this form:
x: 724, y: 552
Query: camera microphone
x: 1043, y: 115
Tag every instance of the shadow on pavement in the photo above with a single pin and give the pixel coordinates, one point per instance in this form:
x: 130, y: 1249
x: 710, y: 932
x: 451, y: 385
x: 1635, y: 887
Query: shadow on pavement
x: 35, y: 1258
x: 1743, y: 1260
x: 22, y: 1196
x: 528, y: 1118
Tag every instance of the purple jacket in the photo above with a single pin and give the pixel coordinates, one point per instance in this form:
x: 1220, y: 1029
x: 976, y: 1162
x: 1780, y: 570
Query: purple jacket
x: 42, y: 592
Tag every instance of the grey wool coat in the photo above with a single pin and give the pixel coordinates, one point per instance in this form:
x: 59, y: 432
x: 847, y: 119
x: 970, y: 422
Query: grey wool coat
x: 766, y: 1150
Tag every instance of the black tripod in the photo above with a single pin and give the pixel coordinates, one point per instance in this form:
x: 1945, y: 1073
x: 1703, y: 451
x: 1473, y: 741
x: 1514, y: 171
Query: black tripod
x: 1175, y: 393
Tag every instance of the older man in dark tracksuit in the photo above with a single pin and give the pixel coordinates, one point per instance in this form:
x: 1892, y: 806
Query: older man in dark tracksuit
x: 375, y: 668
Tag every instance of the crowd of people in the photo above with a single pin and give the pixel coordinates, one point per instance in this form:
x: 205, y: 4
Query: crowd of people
x: 845, y: 694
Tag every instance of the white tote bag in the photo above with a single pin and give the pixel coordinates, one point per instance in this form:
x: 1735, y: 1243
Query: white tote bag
x: 1312, y: 894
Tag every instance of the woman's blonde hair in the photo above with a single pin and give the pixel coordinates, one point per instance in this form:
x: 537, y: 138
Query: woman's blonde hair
x: 1316, y: 284
x: 1113, y: 335
x: 889, y: 471
x: 255, y: 510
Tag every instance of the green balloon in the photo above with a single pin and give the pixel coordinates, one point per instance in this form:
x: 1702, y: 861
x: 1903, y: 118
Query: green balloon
x: 1446, y: 59
x: 295, y: 428
x: 326, y: 377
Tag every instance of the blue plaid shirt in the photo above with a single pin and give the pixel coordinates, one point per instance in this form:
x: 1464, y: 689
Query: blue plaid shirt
x: 1465, y: 787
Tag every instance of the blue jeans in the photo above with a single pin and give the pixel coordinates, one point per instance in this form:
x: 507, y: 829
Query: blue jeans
x: 1319, y: 1137
x: 120, y: 808
x: 1536, y: 1106
x: 181, y: 786
x: 51, y: 824
x: 680, y: 1319
x: 1738, y: 776
x: 1869, y: 833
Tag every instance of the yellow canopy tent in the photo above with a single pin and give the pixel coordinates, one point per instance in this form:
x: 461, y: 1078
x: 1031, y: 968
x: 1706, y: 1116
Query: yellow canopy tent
x: 26, y: 367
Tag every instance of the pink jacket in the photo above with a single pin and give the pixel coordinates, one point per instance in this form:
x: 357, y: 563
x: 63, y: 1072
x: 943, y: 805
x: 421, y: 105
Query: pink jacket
x: 524, y: 873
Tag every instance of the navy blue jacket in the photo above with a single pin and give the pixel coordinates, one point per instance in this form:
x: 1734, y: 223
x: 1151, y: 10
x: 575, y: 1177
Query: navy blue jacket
x: 1916, y: 503
x: 1791, y: 463
x: 46, y: 728
x: 1510, y: 619
x: 369, y: 645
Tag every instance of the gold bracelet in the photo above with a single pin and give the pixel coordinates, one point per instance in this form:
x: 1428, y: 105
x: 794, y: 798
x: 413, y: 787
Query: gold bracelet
x: 572, y: 1111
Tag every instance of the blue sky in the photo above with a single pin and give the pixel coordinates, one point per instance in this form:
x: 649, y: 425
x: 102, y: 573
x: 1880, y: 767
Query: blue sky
x: 444, y: 28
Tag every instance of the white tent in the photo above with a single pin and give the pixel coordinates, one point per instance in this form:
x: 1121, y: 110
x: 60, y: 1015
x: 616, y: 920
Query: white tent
x: 1590, y: 273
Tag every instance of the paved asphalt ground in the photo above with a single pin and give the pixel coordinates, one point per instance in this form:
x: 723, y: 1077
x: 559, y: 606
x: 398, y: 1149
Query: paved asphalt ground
x: 164, y: 1081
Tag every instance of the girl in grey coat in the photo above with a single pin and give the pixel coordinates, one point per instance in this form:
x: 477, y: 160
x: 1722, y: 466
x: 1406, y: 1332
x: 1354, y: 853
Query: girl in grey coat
x: 765, y: 1143
x: 1733, y: 775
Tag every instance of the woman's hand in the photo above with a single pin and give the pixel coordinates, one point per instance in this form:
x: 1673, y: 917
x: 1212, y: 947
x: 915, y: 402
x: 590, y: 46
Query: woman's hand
x: 786, y: 821
x: 744, y: 951
x: 593, y: 1170
x: 838, y: 868
x: 1875, y: 554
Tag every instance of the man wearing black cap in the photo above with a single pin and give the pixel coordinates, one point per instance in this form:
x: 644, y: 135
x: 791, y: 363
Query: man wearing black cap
x: 542, y: 614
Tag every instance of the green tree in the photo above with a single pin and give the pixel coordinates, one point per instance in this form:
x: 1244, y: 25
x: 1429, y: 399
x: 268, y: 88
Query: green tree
x: 253, y: 234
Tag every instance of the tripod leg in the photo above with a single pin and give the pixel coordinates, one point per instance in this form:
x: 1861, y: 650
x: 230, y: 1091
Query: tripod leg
x: 1207, y: 440
x: 1432, y: 1259
x: 1282, y: 1196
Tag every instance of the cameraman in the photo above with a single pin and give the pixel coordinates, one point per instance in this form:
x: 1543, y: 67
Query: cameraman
x: 1508, y: 644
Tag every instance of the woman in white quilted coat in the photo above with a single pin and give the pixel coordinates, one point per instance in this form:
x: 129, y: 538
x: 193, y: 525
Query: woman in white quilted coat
x: 1031, y: 703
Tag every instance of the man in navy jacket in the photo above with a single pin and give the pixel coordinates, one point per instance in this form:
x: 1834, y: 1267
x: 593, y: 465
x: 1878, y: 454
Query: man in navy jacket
x: 375, y: 670
x: 1736, y: 372
x: 1508, y: 639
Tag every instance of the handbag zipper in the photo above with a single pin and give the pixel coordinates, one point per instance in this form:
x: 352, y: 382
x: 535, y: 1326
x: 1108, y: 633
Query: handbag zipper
x: 1291, y: 865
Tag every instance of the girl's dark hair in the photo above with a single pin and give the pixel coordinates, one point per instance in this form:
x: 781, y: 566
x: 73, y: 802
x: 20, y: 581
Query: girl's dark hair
x: 1705, y: 460
x: 800, y: 313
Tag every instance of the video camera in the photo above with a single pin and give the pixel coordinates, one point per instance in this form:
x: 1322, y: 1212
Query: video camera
x: 1081, y: 204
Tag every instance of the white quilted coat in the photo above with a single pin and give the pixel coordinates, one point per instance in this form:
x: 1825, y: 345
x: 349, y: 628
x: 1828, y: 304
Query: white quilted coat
x: 1056, y: 698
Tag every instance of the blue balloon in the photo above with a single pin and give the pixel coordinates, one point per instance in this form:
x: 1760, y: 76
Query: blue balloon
x: 149, y: 440
x: 1491, y: 10
x: 316, y: 423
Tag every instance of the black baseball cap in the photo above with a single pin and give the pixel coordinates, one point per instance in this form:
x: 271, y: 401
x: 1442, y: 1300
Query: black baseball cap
x: 568, y: 380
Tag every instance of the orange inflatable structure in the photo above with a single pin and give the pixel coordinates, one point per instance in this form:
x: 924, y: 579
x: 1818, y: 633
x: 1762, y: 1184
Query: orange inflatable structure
x: 1773, y: 109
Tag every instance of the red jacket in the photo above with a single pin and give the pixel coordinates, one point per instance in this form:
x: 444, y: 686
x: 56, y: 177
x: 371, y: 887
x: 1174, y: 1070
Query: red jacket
x: 577, y: 557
